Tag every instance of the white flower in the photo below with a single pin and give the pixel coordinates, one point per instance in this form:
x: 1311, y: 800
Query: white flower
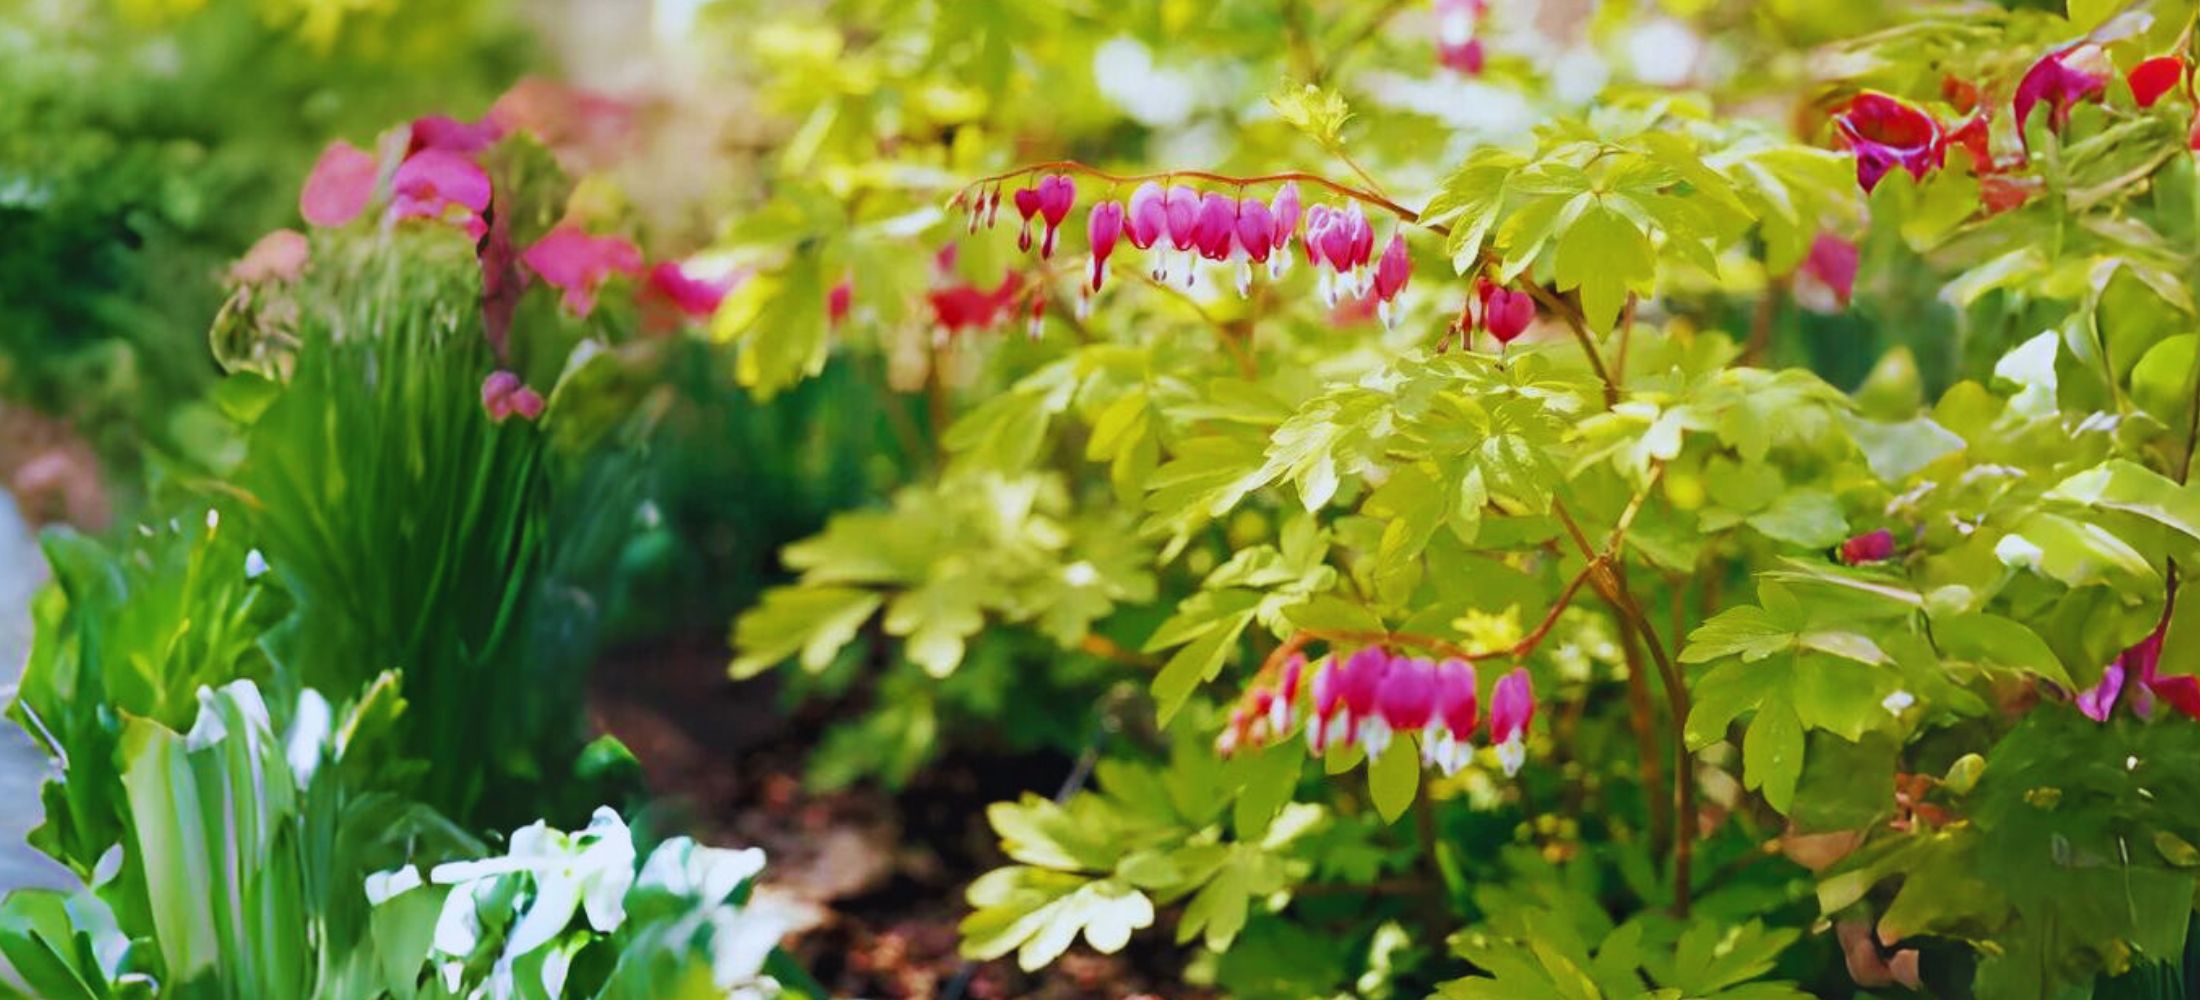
x: 1898, y: 702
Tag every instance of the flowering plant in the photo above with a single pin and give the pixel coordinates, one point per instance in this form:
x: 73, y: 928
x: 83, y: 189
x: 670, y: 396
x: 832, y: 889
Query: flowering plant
x: 1779, y: 561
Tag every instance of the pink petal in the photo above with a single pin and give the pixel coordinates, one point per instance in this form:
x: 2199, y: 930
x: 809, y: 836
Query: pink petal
x: 341, y: 184
x: 278, y: 256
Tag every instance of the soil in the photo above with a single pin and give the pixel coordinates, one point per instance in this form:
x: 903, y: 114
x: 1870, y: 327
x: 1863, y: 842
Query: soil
x: 872, y: 878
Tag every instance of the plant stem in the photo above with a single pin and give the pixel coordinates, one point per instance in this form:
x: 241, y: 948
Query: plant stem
x: 1579, y: 324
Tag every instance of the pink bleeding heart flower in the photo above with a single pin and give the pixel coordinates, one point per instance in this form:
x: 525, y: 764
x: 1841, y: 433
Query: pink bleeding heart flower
x: 278, y: 256
x: 579, y: 263
x: 698, y: 298
x: 837, y: 301
x: 1407, y: 700
x: 2061, y: 79
x: 1885, y: 133
x: 1149, y: 216
x: 1325, y: 693
x: 1506, y: 314
x: 2154, y: 77
x: 1318, y: 221
x: 1363, y: 678
x: 1282, y: 708
x: 2100, y: 699
x: 966, y: 307
x: 340, y: 185
x: 453, y: 136
x: 1104, y: 226
x: 1181, y: 207
x: 503, y: 396
x: 1057, y: 194
x: 1363, y: 236
x: 1283, y: 213
x: 1457, y: 46
x: 1391, y: 275
x: 1256, y: 229
x: 1215, y: 230
x: 1870, y: 547
x: 1512, y: 707
x: 1448, y: 743
x: 1027, y: 206
x: 441, y: 186
x: 1828, y: 275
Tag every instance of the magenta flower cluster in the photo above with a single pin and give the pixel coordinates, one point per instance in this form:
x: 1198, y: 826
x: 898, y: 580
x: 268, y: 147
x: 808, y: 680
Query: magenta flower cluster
x: 1372, y: 696
x: 1179, y: 226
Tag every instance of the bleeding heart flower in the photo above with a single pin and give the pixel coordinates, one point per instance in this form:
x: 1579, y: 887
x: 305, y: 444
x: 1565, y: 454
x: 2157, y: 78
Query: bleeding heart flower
x: 1506, y: 314
x: 2061, y: 79
x: 1885, y: 133
x: 579, y: 263
x: 1512, y: 707
x: 1828, y: 275
x: 442, y: 186
x: 698, y: 298
x: 1448, y: 742
x: 1149, y: 217
x: 1104, y: 226
x: 2154, y: 77
x: 1215, y: 230
x: 1407, y: 700
x: 1283, y: 212
x: 1360, y: 681
x: 1457, y: 46
x: 966, y: 307
x: 1057, y: 194
x: 1256, y: 229
x: 1332, y: 722
x: 1870, y: 547
x: 340, y: 185
x: 1391, y: 274
x: 1027, y: 205
x: 1181, y: 207
x: 1281, y: 709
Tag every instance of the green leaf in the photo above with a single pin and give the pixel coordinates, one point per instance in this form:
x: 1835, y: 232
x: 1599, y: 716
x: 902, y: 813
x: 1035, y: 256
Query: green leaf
x: 1605, y: 255
x: 1809, y: 518
x: 2135, y: 489
x: 1772, y: 754
x: 1195, y: 664
x: 1319, y: 112
x: 814, y: 622
x: 1269, y: 777
x: 1394, y: 778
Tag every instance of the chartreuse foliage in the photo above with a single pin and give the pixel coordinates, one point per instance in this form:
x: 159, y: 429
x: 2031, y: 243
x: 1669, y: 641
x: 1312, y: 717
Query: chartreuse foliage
x: 1868, y: 614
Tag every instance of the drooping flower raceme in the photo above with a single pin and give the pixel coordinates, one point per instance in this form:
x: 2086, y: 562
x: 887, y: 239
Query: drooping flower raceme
x: 1371, y: 698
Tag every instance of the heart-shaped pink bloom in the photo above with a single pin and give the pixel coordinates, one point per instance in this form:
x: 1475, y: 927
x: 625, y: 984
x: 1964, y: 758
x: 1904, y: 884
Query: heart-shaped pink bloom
x: 1181, y: 206
x: 1885, y: 133
x: 1104, y: 226
x: 1828, y: 272
x: 578, y: 263
x: 1149, y: 215
x: 1456, y: 705
x: 442, y: 186
x: 1216, y: 228
x: 1056, y: 196
x: 1027, y: 205
x: 1256, y: 229
x: 1362, y: 680
x: 1407, y: 699
x: 1283, y: 212
x: 1394, y: 270
x: 1337, y: 240
x: 340, y: 185
x: 1512, y: 706
x: 1318, y: 220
